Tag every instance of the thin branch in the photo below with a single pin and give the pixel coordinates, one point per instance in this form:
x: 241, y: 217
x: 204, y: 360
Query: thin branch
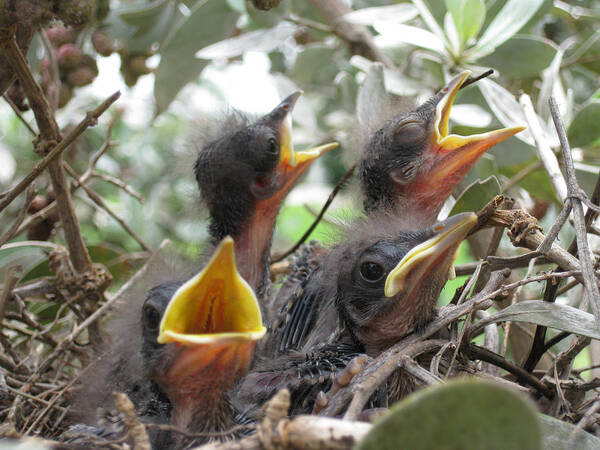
x: 120, y: 184
x: 522, y: 375
x: 50, y: 138
x: 98, y: 201
x: 310, y: 229
x: 358, y: 37
x: 12, y: 231
x: 472, y: 80
x: 543, y: 148
x: 519, y: 176
x: 19, y: 114
x: 575, y: 194
x: 90, y: 119
x: 552, y: 234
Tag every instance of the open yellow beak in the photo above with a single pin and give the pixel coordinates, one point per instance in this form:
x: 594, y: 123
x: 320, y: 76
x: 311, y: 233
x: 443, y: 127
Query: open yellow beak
x: 293, y: 163
x: 214, y: 306
x: 421, y: 260
x: 454, y: 152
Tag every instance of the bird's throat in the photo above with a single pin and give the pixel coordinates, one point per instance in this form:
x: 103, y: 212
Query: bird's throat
x: 199, y: 379
x: 253, y: 245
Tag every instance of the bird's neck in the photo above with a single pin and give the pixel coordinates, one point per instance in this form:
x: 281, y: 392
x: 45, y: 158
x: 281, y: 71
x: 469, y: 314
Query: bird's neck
x: 253, y: 245
x: 197, y: 384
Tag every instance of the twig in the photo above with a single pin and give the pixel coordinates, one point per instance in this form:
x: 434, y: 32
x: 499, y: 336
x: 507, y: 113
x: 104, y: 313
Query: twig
x: 358, y: 37
x: 519, y: 176
x: 49, y: 209
x: 55, y: 74
x: 556, y: 227
x: 538, y: 348
x: 514, y: 298
x: 543, y: 148
x: 484, y: 354
x: 575, y: 194
x: 89, y: 120
x: 98, y: 201
x: 19, y: 114
x: 68, y: 340
x: 310, y: 229
x: 472, y: 80
x: 410, y: 366
x: 8, y: 234
x: 119, y: 183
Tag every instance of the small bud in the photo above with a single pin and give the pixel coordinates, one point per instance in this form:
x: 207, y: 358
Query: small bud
x: 82, y: 76
x: 60, y: 35
x: 103, y: 43
x: 137, y: 66
x: 64, y: 95
x: 69, y: 56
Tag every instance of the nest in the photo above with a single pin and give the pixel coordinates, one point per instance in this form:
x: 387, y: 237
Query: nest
x: 52, y: 332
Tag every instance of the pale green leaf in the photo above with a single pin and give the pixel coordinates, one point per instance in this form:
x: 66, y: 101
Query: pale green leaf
x: 382, y: 15
x: 505, y: 107
x: 473, y: 17
x: 264, y: 40
x: 399, y: 35
x: 511, y: 18
x: 208, y: 22
x: 429, y: 20
x: 551, y: 315
x: 468, y: 17
x: 476, y: 195
x: 559, y: 435
x: 585, y: 127
x: 522, y: 56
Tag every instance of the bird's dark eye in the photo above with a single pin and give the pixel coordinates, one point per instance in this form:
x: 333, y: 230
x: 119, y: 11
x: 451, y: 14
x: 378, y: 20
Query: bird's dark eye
x: 151, y: 318
x: 371, y: 271
x: 273, y: 146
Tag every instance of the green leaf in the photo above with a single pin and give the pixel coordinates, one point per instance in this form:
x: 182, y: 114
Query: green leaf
x: 505, y: 107
x: 468, y: 16
x: 511, y: 18
x: 559, y: 435
x: 522, y: 56
x: 537, y: 183
x: 142, y: 14
x: 459, y: 414
x: 476, y: 195
x: 309, y: 65
x: 552, y: 315
x: 587, y: 175
x: 28, y: 257
x: 260, y: 40
x: 406, y: 34
x: 392, y: 14
x: 585, y: 127
x: 431, y: 22
x: 208, y: 22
